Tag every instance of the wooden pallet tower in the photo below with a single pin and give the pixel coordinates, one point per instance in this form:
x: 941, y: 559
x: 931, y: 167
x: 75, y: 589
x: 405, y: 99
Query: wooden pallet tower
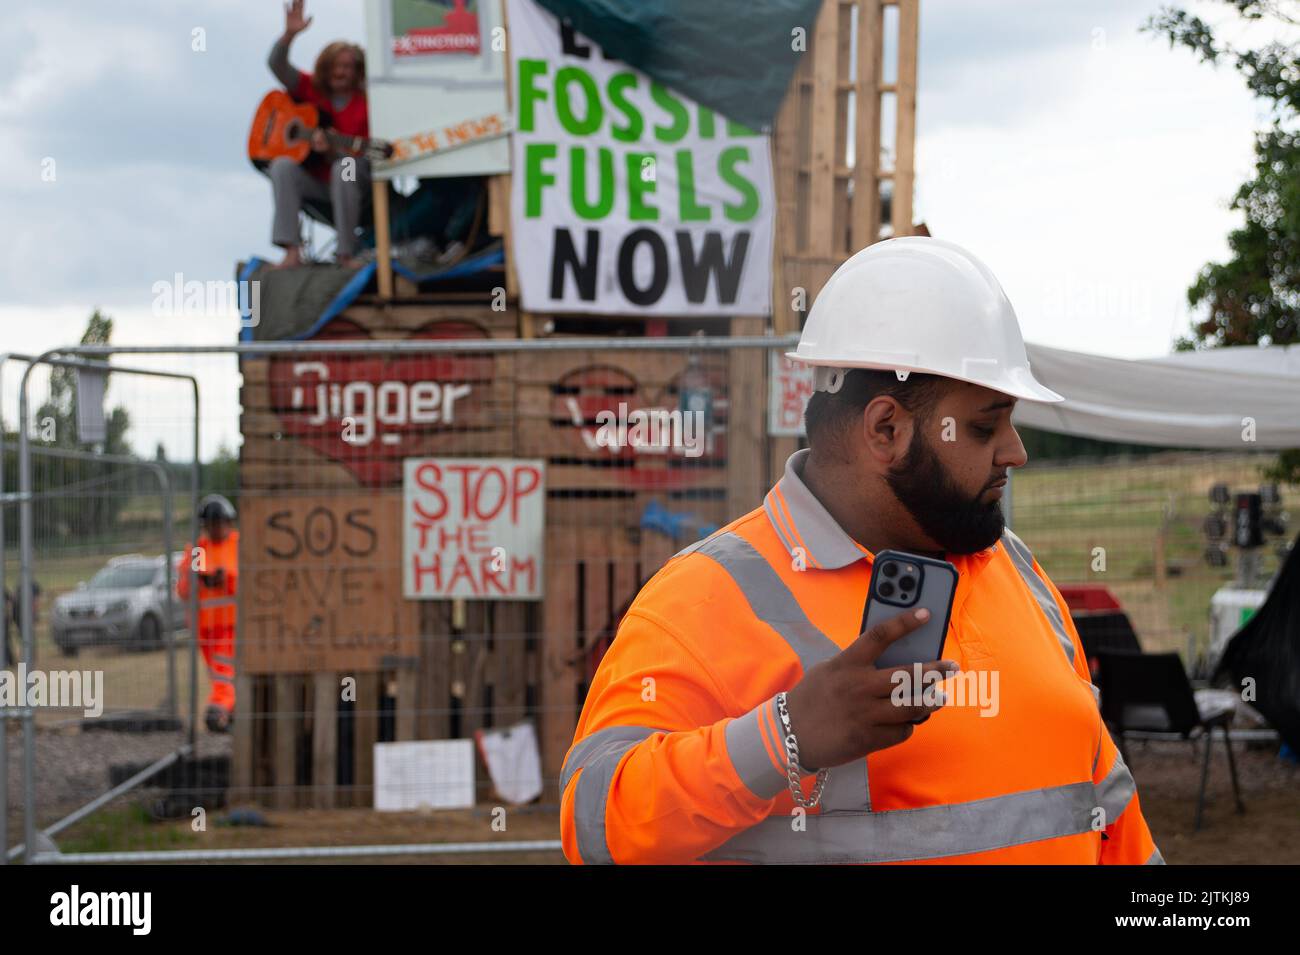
x: 612, y: 517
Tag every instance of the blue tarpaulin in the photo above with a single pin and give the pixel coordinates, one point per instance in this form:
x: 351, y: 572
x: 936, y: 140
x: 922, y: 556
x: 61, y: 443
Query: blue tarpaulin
x: 313, y: 297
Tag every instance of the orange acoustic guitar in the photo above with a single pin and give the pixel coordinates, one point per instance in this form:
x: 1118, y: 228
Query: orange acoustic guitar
x: 283, y: 127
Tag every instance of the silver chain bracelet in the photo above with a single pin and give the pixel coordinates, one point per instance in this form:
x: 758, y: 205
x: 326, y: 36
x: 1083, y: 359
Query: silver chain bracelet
x: 794, y: 770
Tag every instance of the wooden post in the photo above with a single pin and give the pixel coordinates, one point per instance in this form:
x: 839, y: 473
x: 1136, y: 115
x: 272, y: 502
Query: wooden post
x: 559, y: 688
x: 365, y: 732
x: 866, y: 179
x: 747, y: 422
x: 433, y: 720
x: 527, y: 324
x: 822, y: 161
x: 407, y: 703
x: 286, y: 692
x: 498, y: 220
x: 478, y: 663
x: 383, y: 244
x: 509, y: 630
x: 504, y: 187
x: 905, y: 136
x: 324, y: 739
x: 241, y: 772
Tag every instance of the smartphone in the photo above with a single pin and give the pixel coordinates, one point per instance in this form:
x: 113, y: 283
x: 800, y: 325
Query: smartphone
x: 902, y: 583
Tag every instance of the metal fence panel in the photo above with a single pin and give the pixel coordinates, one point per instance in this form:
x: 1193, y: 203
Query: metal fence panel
x: 362, y: 623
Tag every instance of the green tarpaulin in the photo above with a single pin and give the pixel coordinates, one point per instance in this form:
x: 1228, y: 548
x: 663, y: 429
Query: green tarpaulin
x: 734, y: 56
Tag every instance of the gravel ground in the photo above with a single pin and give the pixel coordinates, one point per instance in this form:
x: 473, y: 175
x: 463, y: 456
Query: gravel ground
x: 72, y: 767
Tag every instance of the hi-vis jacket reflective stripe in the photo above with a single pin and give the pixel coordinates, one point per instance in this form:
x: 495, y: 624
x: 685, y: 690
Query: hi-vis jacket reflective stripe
x: 678, y: 756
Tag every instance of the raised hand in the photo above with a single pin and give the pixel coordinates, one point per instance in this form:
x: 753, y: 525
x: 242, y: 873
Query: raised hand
x: 295, y: 20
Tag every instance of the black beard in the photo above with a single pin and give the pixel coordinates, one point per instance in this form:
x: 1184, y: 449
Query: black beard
x: 960, y: 524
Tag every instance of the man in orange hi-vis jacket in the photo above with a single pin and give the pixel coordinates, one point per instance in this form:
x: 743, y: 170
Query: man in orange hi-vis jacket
x: 739, y: 716
x: 215, y: 562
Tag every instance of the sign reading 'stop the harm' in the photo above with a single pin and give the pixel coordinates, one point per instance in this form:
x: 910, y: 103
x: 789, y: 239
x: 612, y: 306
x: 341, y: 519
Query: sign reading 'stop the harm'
x: 628, y: 197
x: 473, y: 527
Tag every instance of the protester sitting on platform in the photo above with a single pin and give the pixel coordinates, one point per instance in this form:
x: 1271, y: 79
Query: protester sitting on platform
x: 337, y: 89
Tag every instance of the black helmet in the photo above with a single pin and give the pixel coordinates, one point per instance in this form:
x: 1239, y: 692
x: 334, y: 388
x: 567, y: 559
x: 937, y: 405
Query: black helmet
x: 214, y: 506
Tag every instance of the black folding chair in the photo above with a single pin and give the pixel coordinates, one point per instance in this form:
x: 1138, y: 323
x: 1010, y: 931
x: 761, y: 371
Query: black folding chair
x: 1105, y: 630
x: 1149, y: 693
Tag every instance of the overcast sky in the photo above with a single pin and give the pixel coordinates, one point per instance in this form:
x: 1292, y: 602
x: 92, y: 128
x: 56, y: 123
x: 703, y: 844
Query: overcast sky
x: 1089, y: 164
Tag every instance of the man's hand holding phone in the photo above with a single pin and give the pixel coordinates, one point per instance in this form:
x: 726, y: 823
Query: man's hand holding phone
x: 842, y: 709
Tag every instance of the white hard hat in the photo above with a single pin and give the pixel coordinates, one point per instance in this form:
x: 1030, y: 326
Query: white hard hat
x: 918, y: 304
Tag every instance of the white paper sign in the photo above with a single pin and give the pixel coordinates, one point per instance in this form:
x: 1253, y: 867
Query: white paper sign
x: 629, y: 197
x: 473, y: 527
x: 513, y: 760
x: 433, y: 774
x: 92, y: 427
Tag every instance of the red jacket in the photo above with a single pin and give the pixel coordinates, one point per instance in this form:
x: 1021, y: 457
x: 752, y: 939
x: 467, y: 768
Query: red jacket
x: 352, y: 120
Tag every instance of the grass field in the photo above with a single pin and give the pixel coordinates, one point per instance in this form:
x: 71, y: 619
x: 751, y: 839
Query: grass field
x: 1126, y: 507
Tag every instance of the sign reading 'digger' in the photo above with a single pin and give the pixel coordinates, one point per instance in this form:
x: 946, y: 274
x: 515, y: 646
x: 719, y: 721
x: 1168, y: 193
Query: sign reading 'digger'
x: 473, y: 527
x: 627, y: 196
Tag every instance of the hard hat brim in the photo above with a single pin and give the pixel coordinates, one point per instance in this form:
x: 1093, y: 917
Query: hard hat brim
x: 1028, y: 390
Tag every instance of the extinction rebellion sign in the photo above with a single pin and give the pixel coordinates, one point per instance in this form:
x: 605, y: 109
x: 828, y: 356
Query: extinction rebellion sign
x: 628, y: 197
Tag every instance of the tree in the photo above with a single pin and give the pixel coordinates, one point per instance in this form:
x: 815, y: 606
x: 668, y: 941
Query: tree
x: 221, y: 474
x: 1254, y: 297
x: 95, y: 495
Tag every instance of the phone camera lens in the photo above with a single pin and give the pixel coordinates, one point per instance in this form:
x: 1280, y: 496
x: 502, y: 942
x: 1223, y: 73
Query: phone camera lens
x: 890, y: 569
x: 906, y: 583
x: 886, y: 589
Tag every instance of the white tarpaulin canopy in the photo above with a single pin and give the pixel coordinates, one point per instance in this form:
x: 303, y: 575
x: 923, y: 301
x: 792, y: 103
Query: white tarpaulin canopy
x: 1207, y: 399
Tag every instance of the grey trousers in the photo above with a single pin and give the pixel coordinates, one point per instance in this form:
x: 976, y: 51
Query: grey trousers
x: 291, y: 184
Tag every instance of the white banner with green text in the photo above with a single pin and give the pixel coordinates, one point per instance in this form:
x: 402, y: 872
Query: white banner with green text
x: 627, y: 197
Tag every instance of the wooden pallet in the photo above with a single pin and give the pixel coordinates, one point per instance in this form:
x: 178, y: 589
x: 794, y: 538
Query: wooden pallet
x: 563, y: 398
x: 475, y: 663
x: 590, y: 579
x: 288, y: 448
x: 296, y: 743
x: 299, y: 744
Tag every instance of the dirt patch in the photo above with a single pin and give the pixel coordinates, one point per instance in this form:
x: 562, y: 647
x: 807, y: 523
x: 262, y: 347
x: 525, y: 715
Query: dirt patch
x: 1168, y: 776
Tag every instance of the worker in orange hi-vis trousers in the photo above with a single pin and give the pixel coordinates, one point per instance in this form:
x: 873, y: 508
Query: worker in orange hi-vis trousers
x: 215, y: 561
